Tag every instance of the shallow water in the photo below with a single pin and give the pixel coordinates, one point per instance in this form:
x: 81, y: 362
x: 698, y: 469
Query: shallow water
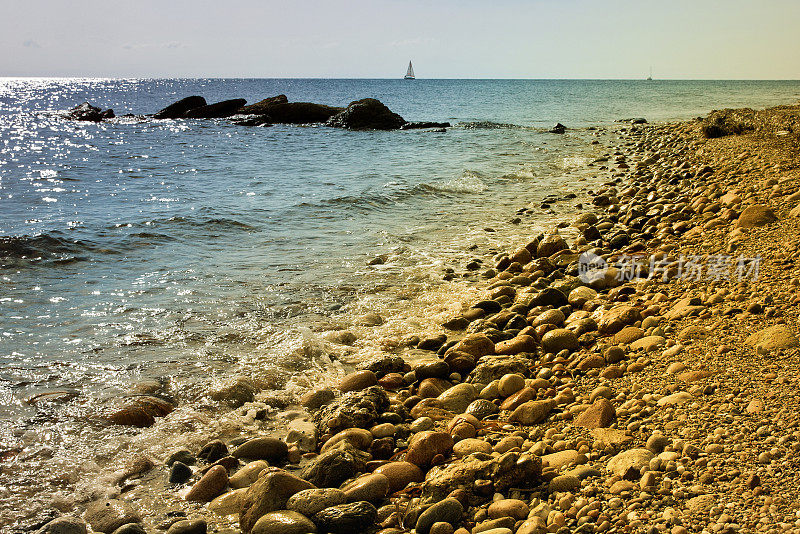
x: 191, y: 251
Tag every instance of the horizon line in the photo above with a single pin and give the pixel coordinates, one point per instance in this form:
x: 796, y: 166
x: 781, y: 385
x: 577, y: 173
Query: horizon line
x: 79, y: 77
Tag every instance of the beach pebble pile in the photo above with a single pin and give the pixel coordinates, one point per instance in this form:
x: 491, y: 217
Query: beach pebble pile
x: 592, y: 389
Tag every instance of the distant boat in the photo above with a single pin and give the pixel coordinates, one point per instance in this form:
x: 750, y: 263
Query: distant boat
x: 409, y: 73
x: 650, y: 78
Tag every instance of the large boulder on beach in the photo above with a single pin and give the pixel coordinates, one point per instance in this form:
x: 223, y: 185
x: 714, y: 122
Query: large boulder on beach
x: 756, y: 215
x: 772, y: 339
x: 89, y: 113
x: 226, y: 108
x: 269, y: 493
x: 354, y: 409
x: 505, y: 471
x: 367, y: 114
x: 177, y: 109
x: 108, y: 515
x: 334, y: 466
x: 281, y: 111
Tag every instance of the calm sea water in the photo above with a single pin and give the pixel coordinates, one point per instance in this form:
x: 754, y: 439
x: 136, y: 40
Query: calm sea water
x: 188, y: 251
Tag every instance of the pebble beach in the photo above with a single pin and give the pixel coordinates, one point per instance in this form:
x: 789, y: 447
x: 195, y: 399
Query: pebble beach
x: 633, y: 369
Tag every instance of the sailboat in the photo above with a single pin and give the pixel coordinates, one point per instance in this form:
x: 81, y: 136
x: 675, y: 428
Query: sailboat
x: 409, y: 73
x: 650, y: 78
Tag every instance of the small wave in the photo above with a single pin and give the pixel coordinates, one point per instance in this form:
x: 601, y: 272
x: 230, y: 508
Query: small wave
x: 39, y: 246
x: 489, y: 125
x: 469, y: 183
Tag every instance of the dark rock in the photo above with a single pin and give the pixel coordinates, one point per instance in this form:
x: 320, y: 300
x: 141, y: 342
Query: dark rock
x: 213, y: 451
x: 181, y: 455
x: 382, y: 365
x: 432, y: 369
x: 728, y: 122
x: 346, y: 518
x: 432, y: 343
x: 89, y: 113
x: 448, y: 511
x: 259, y: 108
x: 226, y: 108
x: 270, y: 449
x: 558, y: 129
x: 353, y: 409
x: 177, y: 109
x: 334, y: 466
x: 179, y: 473
x: 548, y: 297
x: 423, y: 125
x: 489, y: 306
x: 367, y: 114
x: 283, y: 112
x: 252, y: 120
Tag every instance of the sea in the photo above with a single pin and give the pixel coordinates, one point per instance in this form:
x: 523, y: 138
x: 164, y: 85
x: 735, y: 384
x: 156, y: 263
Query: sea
x: 188, y: 252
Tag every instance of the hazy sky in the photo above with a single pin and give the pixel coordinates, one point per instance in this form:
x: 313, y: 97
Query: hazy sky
x: 721, y: 39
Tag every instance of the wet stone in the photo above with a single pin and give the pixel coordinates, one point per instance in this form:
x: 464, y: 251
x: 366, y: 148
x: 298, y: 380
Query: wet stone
x: 189, y: 526
x: 346, y: 518
x: 311, y: 501
x: 446, y: 511
x: 179, y: 473
x: 283, y: 522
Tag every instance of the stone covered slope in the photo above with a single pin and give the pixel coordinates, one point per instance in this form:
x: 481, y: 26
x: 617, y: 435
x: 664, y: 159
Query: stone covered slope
x: 569, y: 399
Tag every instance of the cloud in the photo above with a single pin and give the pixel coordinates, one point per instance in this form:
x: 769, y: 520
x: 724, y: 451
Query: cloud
x: 150, y: 46
x: 30, y: 43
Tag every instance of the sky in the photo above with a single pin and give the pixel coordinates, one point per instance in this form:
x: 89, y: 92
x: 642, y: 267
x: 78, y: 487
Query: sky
x: 697, y: 39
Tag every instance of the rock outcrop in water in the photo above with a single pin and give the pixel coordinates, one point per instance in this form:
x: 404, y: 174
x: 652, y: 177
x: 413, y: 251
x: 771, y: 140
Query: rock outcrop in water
x: 218, y: 110
x: 178, y: 109
x: 424, y: 125
x: 367, y: 114
x: 89, y: 113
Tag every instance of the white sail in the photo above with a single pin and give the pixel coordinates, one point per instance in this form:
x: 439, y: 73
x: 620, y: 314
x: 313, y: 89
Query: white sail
x: 410, y: 72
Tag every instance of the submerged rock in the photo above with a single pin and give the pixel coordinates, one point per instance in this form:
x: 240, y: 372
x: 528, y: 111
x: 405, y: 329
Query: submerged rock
x: 251, y: 120
x: 424, y: 125
x: 141, y: 412
x: 367, y: 114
